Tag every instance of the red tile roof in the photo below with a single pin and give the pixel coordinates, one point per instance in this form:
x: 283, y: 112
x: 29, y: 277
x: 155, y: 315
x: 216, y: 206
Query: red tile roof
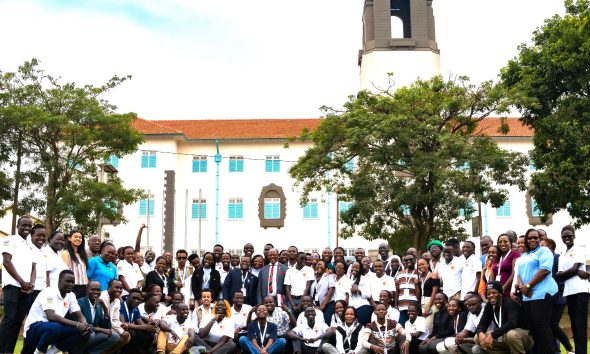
x: 489, y: 126
x: 278, y: 128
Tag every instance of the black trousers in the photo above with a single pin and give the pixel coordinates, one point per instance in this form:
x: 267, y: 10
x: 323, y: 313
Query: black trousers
x: 538, y: 316
x: 16, y: 308
x: 558, y: 333
x: 577, y: 306
x: 142, y: 342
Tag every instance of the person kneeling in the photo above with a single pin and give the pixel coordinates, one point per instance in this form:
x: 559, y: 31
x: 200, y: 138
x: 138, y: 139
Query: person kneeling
x: 46, y: 324
x: 310, y: 333
x: 384, y: 336
x: 507, y: 337
x: 177, y: 333
x: 262, y: 335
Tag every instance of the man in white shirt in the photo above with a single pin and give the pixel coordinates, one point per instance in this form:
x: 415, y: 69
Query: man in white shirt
x: 298, y: 282
x: 471, y: 269
x: 129, y: 272
x: 178, y: 332
x: 465, y: 338
x: 18, y: 282
x: 239, y: 312
x: 310, y: 333
x: 577, y: 288
x: 46, y: 324
x: 450, y: 271
x: 380, y: 281
x: 111, y: 298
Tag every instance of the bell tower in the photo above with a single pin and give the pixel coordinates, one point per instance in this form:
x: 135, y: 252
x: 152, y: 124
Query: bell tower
x: 398, y: 37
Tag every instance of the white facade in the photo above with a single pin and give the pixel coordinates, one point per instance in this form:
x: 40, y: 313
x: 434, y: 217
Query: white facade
x: 172, y: 153
x: 406, y: 66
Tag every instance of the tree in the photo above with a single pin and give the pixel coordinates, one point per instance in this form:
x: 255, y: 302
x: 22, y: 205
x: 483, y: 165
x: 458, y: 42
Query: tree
x: 549, y: 83
x: 67, y: 132
x: 419, y: 159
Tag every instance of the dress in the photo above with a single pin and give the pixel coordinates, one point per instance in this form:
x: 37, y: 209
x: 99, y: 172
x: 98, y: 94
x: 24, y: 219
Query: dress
x: 503, y: 267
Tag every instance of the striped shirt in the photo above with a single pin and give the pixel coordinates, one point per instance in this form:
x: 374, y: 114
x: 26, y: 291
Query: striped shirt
x: 406, y: 284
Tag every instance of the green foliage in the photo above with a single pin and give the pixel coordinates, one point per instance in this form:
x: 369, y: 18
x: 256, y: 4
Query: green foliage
x: 549, y: 83
x: 418, y: 151
x: 66, y: 131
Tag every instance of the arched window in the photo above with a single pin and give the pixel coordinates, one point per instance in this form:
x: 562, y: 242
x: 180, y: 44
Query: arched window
x: 272, y: 206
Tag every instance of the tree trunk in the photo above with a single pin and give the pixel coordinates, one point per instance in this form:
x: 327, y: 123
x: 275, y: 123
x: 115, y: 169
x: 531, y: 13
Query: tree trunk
x: 17, y: 178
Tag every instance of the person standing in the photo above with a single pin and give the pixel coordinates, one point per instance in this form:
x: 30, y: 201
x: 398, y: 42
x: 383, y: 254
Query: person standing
x: 298, y: 282
x: 450, y: 271
x: 18, y: 282
x: 271, y: 278
x: 101, y: 268
x: 576, y: 288
x: 93, y: 246
x: 75, y: 258
x: 160, y: 276
x: 206, y: 277
x: 504, y: 265
x: 407, y: 287
x: 129, y: 273
x: 54, y: 262
x: 537, y: 287
x: 471, y: 270
x: 182, y: 274
x: 242, y: 280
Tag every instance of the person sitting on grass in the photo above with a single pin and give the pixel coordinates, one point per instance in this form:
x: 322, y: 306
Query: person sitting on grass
x: 262, y: 337
x: 47, y: 325
x: 177, y: 333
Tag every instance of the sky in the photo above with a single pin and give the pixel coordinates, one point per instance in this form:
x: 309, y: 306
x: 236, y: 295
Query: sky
x: 198, y: 59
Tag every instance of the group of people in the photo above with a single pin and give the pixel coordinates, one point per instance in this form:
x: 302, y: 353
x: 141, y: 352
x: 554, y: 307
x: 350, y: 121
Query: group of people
x: 103, y: 299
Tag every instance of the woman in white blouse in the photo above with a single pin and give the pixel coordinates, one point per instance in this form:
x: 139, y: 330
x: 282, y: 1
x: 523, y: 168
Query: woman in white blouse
x: 347, y: 335
x: 323, y: 289
x: 343, y: 283
x: 360, y: 293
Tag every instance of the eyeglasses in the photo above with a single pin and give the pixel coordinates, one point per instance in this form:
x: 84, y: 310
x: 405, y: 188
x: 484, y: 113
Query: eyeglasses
x: 533, y: 237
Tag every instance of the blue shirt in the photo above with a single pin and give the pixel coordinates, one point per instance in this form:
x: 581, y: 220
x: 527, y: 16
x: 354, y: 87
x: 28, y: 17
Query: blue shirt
x: 254, y: 332
x: 529, y: 264
x: 101, y: 271
x: 135, y: 314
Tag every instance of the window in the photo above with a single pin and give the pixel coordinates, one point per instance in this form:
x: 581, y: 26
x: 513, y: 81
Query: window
x: 113, y: 161
x: 148, y: 159
x: 236, y: 209
x: 195, y: 212
x: 272, y: 208
x: 535, y: 212
x: 532, y: 166
x: 236, y: 164
x: 114, y: 206
x: 272, y: 164
x: 405, y: 209
x: 344, y: 206
x: 504, y: 210
x: 349, y: 165
x: 310, y: 210
x: 147, y: 206
x: 200, y: 164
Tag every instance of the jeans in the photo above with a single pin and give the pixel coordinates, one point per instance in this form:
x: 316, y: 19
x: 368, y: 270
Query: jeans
x: 577, y: 306
x: 16, y: 308
x: 278, y: 346
x: 538, y: 315
x: 44, y: 334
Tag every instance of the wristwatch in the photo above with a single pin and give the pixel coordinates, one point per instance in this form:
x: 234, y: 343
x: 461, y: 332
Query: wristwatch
x: 528, y: 286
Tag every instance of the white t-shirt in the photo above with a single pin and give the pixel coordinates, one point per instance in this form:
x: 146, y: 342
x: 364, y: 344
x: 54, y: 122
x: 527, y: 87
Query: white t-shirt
x: 21, y: 259
x: 240, y: 318
x: 377, y: 284
x: 320, y: 289
x: 178, y: 328
x: 304, y: 331
x: 219, y: 329
x: 419, y: 325
x: 160, y: 313
x: 319, y: 317
x: 298, y: 279
x: 471, y: 267
x: 473, y: 321
x: 55, y: 264
x: 575, y: 284
x: 131, y: 272
x: 40, y: 268
x: 358, y: 300
x: 50, y: 299
x: 114, y: 311
x: 451, y: 275
x: 342, y: 288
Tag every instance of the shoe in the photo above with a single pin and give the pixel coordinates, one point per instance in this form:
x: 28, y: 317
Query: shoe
x: 52, y: 350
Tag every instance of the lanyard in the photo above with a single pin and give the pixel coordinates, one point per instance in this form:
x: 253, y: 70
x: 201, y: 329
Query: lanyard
x: 317, y: 285
x: 383, y: 334
x: 456, y: 323
x: 498, y: 322
x: 349, y: 331
x: 262, y: 334
x: 504, y: 257
x: 244, y: 279
x: 129, y: 314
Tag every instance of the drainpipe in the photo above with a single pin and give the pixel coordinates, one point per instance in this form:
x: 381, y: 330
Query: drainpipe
x: 217, y: 162
x: 485, y: 219
x: 329, y: 219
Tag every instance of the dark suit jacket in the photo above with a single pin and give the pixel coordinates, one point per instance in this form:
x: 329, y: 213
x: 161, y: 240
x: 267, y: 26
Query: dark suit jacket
x: 214, y: 283
x: 233, y: 283
x: 154, y: 278
x: 100, y: 320
x: 263, y: 280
